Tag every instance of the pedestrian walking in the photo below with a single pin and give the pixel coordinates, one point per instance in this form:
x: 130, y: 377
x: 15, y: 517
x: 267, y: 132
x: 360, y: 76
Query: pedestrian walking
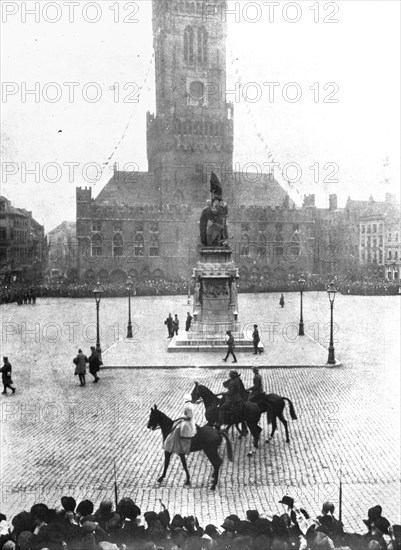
x: 80, y: 366
x: 94, y: 364
x: 169, y: 323
x: 256, y: 340
x: 230, y: 346
x: 188, y: 321
x: 282, y: 300
x: 176, y: 324
x: 6, y: 376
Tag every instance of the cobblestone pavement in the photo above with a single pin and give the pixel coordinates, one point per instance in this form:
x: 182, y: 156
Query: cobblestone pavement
x: 58, y: 438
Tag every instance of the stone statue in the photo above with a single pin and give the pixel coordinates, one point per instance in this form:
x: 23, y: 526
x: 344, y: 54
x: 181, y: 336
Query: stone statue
x: 197, y: 293
x: 213, y: 221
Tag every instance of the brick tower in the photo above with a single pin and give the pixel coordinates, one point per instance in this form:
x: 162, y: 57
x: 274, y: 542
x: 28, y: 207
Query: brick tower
x: 192, y: 130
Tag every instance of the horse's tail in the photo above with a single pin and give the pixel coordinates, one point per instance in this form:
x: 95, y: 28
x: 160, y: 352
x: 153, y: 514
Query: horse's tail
x: 292, y: 410
x: 229, y: 446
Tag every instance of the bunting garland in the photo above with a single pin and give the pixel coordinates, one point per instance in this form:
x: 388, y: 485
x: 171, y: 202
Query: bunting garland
x: 269, y: 153
x: 110, y: 157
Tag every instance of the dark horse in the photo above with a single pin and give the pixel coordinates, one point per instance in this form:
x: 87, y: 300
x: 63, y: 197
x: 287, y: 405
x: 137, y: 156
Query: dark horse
x: 207, y: 439
x: 250, y: 412
x: 273, y: 405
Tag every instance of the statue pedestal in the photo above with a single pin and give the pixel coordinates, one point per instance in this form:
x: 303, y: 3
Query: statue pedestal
x: 215, y: 308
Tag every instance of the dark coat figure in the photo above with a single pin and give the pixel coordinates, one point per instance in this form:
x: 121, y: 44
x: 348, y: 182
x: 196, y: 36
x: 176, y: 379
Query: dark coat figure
x: 169, y: 323
x: 282, y: 300
x: 188, y: 322
x: 80, y: 366
x: 94, y: 364
x: 233, y: 397
x: 256, y: 340
x: 176, y: 325
x: 230, y: 347
x: 257, y: 388
x: 6, y: 376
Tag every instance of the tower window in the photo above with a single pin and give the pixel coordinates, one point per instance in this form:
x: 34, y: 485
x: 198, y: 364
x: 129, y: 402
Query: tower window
x: 189, y: 45
x: 97, y: 248
x: 202, y: 46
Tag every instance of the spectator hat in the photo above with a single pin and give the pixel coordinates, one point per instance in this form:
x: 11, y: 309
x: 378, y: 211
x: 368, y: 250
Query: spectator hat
x: 68, y: 503
x: 79, y: 351
x: 22, y: 522
x: 288, y: 501
x: 228, y: 525
x: 128, y: 509
x: 255, y: 326
x: 252, y: 515
x: 211, y: 530
x: 106, y: 506
x: 262, y: 526
x: 234, y: 373
x: 85, y: 508
x: 150, y: 517
x: 255, y: 369
x: 177, y: 522
x: 8, y: 545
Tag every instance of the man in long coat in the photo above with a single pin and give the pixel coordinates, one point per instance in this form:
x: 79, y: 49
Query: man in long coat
x: 94, y: 364
x: 80, y: 366
x: 233, y: 397
x: 6, y: 376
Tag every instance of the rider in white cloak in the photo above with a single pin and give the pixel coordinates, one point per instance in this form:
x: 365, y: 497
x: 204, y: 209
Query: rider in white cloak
x: 184, y: 429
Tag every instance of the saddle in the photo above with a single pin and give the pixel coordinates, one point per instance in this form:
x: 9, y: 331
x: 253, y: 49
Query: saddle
x: 232, y: 414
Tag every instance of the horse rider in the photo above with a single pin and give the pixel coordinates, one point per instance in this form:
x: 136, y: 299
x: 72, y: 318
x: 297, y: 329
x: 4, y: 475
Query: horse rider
x: 233, y: 397
x: 184, y: 429
x: 257, y: 388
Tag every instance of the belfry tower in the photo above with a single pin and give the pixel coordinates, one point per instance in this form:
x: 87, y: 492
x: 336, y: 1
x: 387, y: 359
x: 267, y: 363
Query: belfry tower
x: 191, y: 133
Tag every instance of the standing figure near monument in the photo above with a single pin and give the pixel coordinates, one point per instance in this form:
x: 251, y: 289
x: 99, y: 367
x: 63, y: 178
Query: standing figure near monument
x: 176, y: 324
x: 256, y: 340
x: 188, y: 321
x: 282, y: 300
x: 169, y: 323
x: 231, y: 346
x: 80, y: 366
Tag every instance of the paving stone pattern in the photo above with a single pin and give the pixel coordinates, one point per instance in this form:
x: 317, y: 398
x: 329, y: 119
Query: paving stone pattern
x: 58, y: 438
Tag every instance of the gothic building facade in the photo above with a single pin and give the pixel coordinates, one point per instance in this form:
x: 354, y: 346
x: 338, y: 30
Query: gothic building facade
x: 146, y: 224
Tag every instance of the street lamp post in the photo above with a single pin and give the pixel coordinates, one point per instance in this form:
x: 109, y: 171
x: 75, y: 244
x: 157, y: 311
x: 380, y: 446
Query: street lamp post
x: 98, y: 296
x: 331, y: 291
x: 130, y: 284
x: 301, y: 284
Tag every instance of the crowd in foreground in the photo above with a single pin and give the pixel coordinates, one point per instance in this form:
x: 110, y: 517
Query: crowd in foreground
x: 81, y: 527
x: 21, y: 293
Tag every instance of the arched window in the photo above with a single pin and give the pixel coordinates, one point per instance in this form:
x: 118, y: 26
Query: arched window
x: 198, y: 8
x: 389, y: 255
x: 189, y: 45
x: 117, y: 245
x: 192, y: 7
x: 202, y: 46
x: 139, y: 245
x: 262, y: 246
x: 154, y: 245
x: 97, y: 247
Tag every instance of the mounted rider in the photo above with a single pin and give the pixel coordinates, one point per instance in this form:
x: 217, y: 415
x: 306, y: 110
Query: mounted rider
x: 184, y: 429
x: 257, y: 389
x: 234, y: 397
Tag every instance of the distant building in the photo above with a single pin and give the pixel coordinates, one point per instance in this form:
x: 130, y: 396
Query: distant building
x: 63, y: 251
x: 23, y: 246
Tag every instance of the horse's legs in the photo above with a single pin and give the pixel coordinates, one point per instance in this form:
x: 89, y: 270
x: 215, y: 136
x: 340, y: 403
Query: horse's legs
x: 184, y: 464
x: 285, y: 424
x: 167, y: 457
x: 244, y: 429
x: 274, y: 425
x: 255, y: 431
x: 216, y: 461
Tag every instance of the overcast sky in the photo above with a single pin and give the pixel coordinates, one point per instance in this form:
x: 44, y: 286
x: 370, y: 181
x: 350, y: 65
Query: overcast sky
x: 355, y: 61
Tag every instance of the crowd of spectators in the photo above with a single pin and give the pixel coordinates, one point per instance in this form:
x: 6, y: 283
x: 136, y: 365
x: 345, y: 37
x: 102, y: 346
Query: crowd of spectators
x: 81, y: 527
x: 20, y: 293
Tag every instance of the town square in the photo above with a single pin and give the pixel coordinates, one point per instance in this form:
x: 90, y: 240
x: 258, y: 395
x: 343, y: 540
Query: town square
x: 200, y: 290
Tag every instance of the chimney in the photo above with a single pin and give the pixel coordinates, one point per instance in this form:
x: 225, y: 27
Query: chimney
x: 332, y: 202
